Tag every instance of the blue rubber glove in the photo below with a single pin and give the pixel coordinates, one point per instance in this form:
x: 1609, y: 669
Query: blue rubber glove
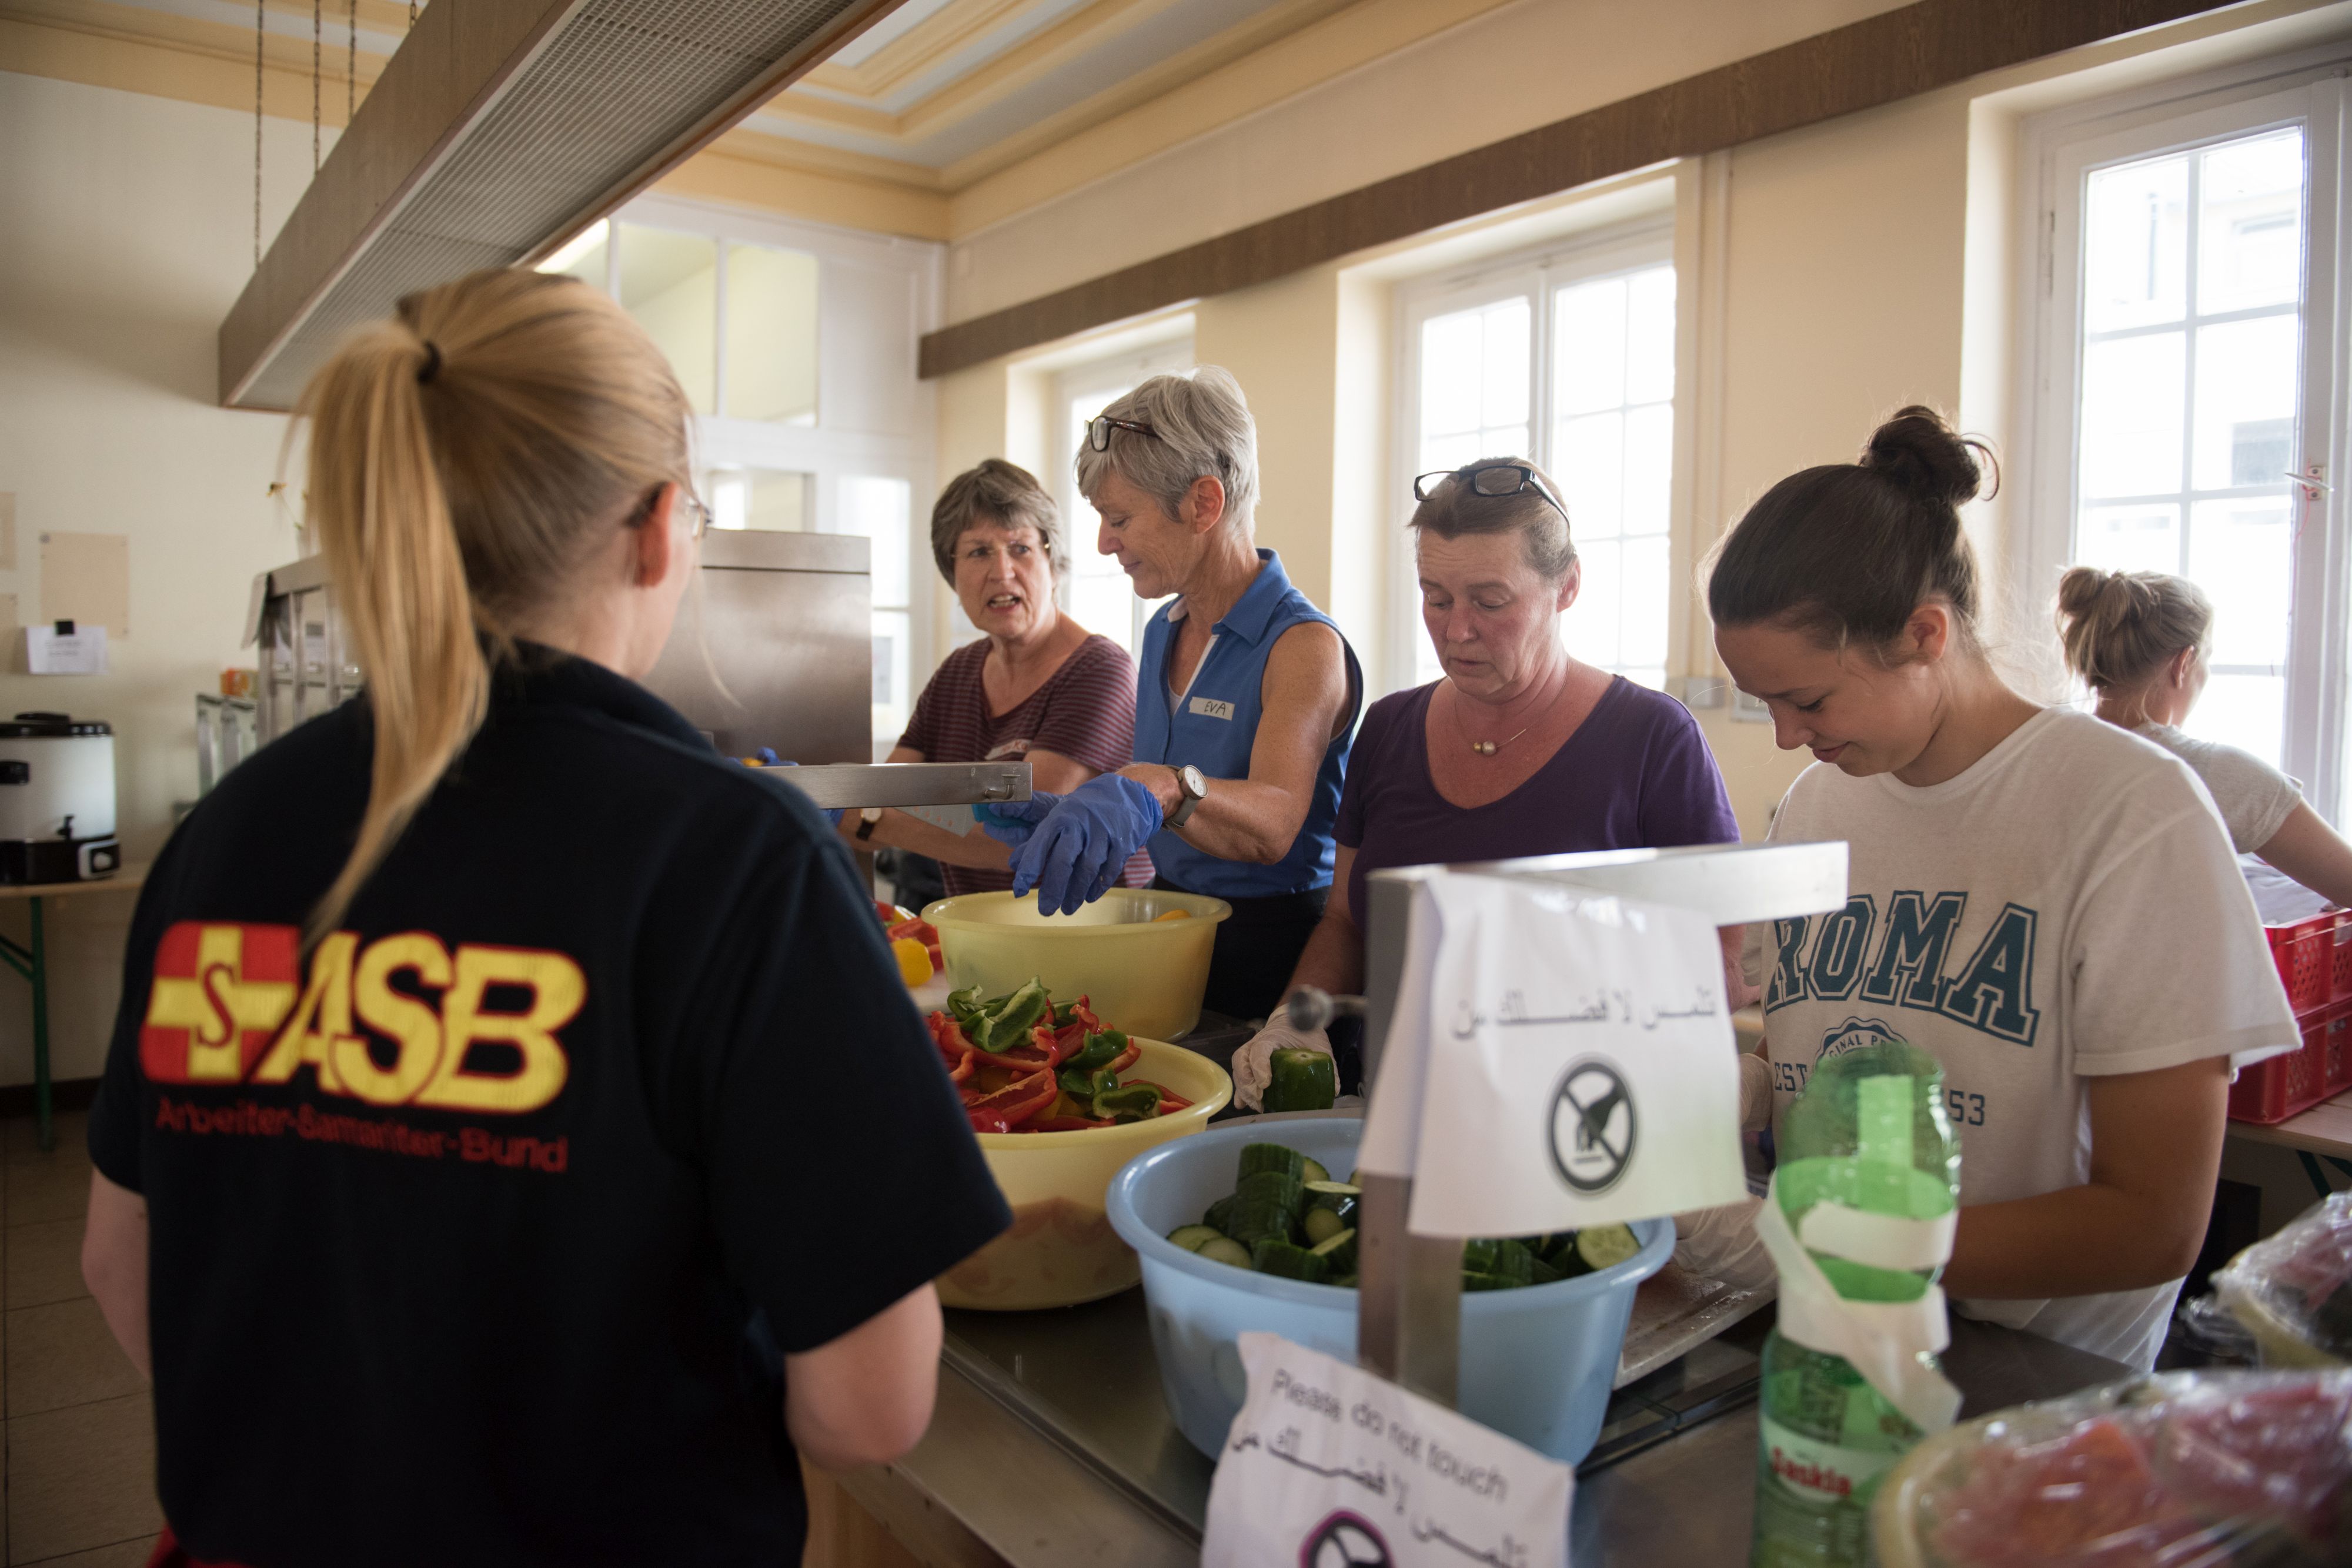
x: 767, y: 758
x: 1078, y: 852
x: 1010, y: 823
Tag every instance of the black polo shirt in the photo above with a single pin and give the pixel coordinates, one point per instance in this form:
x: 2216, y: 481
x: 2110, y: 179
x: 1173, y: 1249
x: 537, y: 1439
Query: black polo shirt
x: 460, y: 1234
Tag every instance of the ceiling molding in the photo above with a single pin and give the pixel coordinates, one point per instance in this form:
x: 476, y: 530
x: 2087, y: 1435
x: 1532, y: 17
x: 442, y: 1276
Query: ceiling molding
x: 205, y: 63
x: 919, y: 49
x: 1881, y: 59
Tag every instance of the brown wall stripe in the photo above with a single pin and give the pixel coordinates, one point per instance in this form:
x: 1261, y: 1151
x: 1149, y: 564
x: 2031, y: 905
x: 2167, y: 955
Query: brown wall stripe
x: 1881, y: 59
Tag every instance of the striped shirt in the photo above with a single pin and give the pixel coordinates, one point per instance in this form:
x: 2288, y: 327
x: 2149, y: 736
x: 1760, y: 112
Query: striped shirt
x: 1085, y: 711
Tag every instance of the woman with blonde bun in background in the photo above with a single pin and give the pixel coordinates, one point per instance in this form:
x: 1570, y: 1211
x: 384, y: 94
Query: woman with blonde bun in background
x: 456, y: 1150
x: 2138, y: 640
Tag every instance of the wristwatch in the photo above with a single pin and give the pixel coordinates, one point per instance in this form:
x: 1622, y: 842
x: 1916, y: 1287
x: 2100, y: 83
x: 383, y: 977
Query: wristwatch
x: 1194, y: 789
x: 866, y: 820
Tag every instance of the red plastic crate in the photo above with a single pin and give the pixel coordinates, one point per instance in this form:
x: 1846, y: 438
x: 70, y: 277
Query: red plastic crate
x: 2305, y: 955
x: 2339, y: 1056
x: 2274, y: 1089
x: 2342, y: 966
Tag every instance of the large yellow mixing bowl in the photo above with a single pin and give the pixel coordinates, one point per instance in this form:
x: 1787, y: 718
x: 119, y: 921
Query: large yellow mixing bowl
x: 1143, y: 975
x: 1061, y: 1249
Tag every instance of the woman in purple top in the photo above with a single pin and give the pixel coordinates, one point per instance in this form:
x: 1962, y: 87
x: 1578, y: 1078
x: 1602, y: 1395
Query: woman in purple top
x: 1520, y: 750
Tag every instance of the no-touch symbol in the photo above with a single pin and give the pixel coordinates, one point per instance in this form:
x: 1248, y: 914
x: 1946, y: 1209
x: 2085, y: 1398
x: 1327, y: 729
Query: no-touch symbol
x: 1594, y: 1126
x: 1344, y: 1541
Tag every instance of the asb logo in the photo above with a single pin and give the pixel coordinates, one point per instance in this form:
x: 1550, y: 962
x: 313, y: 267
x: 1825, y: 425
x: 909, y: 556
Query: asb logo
x: 1592, y: 1125
x: 224, y: 1009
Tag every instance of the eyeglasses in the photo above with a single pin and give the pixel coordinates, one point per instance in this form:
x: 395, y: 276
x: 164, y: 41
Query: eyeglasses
x: 695, y: 509
x: 1100, y: 428
x: 1491, y: 479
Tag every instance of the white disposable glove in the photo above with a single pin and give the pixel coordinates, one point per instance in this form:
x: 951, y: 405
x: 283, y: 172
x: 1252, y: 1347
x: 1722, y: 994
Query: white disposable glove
x: 1755, y: 1094
x: 1721, y: 1244
x: 1253, y: 1059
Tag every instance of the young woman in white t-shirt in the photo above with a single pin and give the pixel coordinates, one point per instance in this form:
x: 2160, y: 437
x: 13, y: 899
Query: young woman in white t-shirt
x: 2046, y: 903
x: 2138, y: 640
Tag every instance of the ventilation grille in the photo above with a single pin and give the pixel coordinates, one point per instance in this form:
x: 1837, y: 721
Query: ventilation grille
x: 620, y: 83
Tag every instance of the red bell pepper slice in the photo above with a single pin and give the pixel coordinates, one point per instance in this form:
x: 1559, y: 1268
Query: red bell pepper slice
x: 1045, y: 1051
x: 959, y: 1071
x: 1126, y: 1059
x: 1015, y: 1102
x: 987, y: 1121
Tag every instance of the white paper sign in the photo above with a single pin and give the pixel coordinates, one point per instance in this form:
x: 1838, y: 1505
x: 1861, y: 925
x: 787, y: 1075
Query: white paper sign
x: 1576, y: 1063
x: 1328, y: 1467
x: 81, y: 652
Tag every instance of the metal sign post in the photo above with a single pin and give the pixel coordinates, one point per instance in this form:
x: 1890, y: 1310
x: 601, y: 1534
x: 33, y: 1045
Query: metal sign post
x: 1409, y: 1303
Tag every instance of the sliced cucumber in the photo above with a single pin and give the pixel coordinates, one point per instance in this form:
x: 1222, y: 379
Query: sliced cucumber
x: 1273, y: 1257
x: 1604, y: 1246
x: 1224, y: 1250
x: 1313, y: 1171
x: 1325, y: 1186
x: 1471, y: 1281
x: 1345, y: 1281
x: 1221, y: 1215
x: 1337, y: 1197
x: 1257, y: 1158
x: 1266, y: 1207
x: 1545, y: 1274
x: 1339, y: 1251
x: 1321, y: 1225
x: 1192, y: 1238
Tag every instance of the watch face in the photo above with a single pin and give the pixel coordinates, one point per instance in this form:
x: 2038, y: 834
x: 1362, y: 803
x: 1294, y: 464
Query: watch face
x: 1194, y: 784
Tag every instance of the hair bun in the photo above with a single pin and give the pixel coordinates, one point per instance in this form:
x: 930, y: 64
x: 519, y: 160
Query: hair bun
x: 1920, y: 452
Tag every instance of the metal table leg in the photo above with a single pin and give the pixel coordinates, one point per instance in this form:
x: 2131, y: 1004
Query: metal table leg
x: 40, y: 978
x: 32, y: 962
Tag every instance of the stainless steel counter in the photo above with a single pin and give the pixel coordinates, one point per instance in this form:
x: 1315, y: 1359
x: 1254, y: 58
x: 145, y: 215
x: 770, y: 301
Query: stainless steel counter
x: 1053, y: 1445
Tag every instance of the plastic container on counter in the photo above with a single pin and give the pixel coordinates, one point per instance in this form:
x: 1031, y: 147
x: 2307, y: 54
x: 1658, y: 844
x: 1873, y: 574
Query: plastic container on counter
x: 1538, y: 1364
x: 2180, y: 1468
x: 1061, y: 1249
x: 2293, y: 1291
x: 1138, y: 955
x: 2281, y: 1086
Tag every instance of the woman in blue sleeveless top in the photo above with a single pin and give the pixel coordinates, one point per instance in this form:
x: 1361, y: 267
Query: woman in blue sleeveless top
x: 1246, y: 697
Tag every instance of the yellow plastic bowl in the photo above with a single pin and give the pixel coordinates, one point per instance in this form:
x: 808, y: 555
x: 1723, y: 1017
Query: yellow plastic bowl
x: 1144, y: 976
x: 1061, y: 1249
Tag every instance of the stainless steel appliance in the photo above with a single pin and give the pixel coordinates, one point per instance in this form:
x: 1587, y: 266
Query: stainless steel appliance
x: 303, y: 668
x: 774, y: 647
x: 56, y: 800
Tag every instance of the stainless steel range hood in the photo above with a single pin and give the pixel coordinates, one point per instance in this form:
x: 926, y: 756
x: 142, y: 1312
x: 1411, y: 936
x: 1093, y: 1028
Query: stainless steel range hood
x: 498, y: 129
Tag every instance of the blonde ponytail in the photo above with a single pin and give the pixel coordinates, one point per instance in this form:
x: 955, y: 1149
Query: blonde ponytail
x: 465, y: 460
x: 2119, y: 628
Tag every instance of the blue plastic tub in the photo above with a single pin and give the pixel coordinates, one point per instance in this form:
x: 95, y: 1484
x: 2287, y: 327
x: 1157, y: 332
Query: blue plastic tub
x: 1537, y: 1363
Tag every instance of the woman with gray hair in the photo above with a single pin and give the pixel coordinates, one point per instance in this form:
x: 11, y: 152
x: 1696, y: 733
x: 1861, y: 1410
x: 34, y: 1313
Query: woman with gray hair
x: 1037, y: 686
x: 1246, y: 697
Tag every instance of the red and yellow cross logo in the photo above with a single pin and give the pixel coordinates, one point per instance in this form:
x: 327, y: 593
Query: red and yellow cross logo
x: 220, y: 993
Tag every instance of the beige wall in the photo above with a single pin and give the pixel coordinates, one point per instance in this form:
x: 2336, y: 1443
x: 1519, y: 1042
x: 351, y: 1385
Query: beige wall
x: 124, y: 242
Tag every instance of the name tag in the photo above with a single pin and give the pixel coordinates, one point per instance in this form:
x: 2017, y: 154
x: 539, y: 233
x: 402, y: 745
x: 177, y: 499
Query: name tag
x: 1210, y: 707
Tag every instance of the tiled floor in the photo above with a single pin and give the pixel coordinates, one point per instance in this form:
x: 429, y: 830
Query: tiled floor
x: 79, y: 1455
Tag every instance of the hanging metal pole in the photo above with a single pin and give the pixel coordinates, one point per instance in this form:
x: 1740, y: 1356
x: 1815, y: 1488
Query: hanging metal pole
x: 259, y: 15
x: 317, y: 58
x: 352, y: 66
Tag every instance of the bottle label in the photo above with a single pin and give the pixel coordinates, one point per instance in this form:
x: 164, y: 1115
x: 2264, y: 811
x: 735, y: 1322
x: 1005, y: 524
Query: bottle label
x: 1819, y: 1471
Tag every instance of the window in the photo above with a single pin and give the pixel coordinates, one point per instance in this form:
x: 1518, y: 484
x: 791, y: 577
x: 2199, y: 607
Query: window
x: 1567, y: 360
x: 1098, y: 594
x: 799, y: 429
x: 2186, y: 380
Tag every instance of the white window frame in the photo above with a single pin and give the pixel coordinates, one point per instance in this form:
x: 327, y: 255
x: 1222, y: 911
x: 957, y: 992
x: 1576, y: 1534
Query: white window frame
x: 2063, y: 148
x: 1538, y: 274
x: 830, y: 450
x: 1103, y: 379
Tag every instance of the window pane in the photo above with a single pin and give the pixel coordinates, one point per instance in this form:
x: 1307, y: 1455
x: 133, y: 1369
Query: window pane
x: 2250, y: 224
x: 1451, y: 357
x: 1649, y: 469
x: 2131, y: 415
x: 2245, y: 711
x: 2246, y: 386
x: 1641, y: 621
x: 584, y: 256
x: 1592, y: 622
x: 1650, y: 335
x: 891, y: 632
x: 669, y: 282
x: 758, y: 499
x: 876, y: 507
x: 1588, y: 462
x: 1104, y: 604
x: 771, y: 334
x: 1589, y: 325
x: 2129, y: 539
x: 2240, y: 553
x: 1474, y: 384
x: 2134, y: 245
x: 1505, y: 375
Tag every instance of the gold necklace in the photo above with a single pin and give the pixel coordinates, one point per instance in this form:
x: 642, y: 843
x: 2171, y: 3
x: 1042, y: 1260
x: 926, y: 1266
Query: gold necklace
x: 1483, y: 747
